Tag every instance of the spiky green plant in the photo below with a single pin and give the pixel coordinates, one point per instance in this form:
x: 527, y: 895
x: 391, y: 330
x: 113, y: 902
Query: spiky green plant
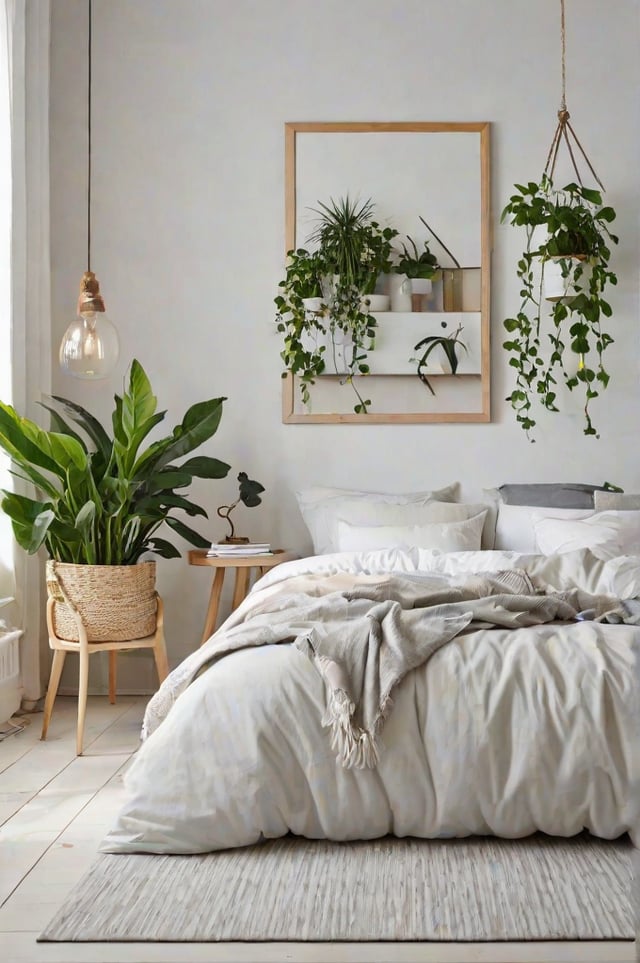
x: 449, y: 343
x: 101, y: 499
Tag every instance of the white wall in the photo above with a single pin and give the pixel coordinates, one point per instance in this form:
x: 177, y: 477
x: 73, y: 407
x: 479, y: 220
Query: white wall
x: 190, y: 99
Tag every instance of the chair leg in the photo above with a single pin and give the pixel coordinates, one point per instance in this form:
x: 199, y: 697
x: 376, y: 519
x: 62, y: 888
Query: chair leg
x: 113, y: 668
x: 160, y: 655
x: 83, y: 686
x: 52, y: 690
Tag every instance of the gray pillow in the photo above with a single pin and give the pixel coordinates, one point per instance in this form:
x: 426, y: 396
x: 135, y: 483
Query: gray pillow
x: 557, y: 495
x: 616, y: 501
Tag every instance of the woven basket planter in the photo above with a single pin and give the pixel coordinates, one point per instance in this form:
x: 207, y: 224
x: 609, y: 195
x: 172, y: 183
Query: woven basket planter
x: 116, y: 602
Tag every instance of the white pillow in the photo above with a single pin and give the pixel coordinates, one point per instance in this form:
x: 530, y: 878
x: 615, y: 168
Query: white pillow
x: 607, y: 534
x: 461, y: 536
x: 515, y: 525
x: 321, y: 507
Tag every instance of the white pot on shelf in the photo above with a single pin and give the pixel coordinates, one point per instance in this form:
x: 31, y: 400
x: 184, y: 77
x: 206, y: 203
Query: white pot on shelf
x: 374, y: 302
x: 421, y: 286
x: 400, y: 288
x: 441, y: 366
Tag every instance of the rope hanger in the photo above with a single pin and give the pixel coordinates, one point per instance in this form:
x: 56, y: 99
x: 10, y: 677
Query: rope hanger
x: 564, y: 130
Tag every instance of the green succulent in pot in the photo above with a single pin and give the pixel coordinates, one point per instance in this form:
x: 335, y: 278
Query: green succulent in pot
x: 560, y: 336
x: 101, y: 497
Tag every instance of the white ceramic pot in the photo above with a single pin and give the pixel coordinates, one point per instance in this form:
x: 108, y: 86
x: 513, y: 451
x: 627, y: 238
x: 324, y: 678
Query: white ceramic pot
x: 400, y: 288
x: 421, y: 286
x: 315, y: 305
x: 558, y: 287
x: 375, y: 302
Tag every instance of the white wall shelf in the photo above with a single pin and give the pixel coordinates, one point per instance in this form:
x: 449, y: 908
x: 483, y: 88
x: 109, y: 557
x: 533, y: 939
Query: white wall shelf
x: 397, y: 333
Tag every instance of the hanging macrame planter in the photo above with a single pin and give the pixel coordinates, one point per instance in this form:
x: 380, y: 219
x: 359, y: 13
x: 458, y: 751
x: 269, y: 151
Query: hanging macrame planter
x: 557, y: 336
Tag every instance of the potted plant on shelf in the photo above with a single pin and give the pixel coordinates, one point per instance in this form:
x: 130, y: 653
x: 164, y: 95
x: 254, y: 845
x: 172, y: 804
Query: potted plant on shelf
x: 566, y: 232
x: 352, y: 251
x: 417, y: 270
x: 449, y: 345
x: 249, y: 495
x: 303, y: 282
x: 354, y: 248
x: 303, y: 330
x: 101, y: 500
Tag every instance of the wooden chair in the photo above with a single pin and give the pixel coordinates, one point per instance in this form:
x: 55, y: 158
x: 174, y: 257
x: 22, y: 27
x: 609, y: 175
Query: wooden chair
x: 85, y: 648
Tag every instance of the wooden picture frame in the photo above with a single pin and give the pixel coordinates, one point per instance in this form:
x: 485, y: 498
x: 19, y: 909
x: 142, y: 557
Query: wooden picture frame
x: 309, y: 139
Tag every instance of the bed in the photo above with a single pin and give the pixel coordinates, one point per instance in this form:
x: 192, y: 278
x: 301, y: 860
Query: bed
x: 487, y: 692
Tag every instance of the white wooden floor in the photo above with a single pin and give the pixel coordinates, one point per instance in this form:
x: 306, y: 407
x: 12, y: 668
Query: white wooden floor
x: 54, y: 810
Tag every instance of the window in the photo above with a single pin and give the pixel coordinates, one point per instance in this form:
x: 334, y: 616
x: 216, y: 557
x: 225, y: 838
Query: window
x: 7, y: 584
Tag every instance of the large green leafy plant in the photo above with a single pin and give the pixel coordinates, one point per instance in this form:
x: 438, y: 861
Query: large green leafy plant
x: 101, y: 497
x: 570, y: 226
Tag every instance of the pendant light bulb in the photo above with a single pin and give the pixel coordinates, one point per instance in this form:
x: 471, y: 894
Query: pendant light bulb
x: 90, y: 347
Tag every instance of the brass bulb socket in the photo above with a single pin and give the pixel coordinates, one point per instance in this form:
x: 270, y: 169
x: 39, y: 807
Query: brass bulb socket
x: 90, y: 300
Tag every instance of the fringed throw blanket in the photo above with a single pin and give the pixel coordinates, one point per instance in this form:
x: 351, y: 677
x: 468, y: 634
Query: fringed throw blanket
x: 365, y: 633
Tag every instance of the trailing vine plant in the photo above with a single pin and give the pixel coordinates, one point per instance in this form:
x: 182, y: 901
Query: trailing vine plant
x: 302, y: 353
x: 352, y: 251
x: 544, y: 333
x: 574, y: 234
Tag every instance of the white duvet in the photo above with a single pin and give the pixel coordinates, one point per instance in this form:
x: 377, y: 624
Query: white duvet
x: 501, y: 732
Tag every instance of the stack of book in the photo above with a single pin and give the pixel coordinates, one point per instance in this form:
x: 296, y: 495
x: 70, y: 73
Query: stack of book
x: 239, y: 550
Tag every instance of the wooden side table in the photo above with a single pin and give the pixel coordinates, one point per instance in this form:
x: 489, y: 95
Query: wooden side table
x: 243, y: 565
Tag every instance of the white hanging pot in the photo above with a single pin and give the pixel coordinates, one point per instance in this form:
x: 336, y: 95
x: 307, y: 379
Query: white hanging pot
x: 558, y: 281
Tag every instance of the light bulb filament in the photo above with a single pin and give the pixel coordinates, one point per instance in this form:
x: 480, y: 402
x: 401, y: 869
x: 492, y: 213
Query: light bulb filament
x: 91, y: 344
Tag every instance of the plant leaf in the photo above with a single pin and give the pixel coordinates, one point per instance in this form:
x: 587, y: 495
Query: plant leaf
x: 199, y: 424
x: 249, y: 490
x: 202, y: 466
x: 163, y: 548
x: 187, y: 533
x: 88, y: 422
x: 30, y: 519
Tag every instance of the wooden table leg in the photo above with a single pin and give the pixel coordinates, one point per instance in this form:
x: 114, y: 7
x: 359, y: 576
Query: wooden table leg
x: 113, y: 662
x: 214, y: 604
x: 240, y: 590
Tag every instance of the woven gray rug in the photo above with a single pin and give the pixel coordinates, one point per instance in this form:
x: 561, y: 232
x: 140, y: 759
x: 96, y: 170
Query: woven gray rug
x: 475, y: 889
